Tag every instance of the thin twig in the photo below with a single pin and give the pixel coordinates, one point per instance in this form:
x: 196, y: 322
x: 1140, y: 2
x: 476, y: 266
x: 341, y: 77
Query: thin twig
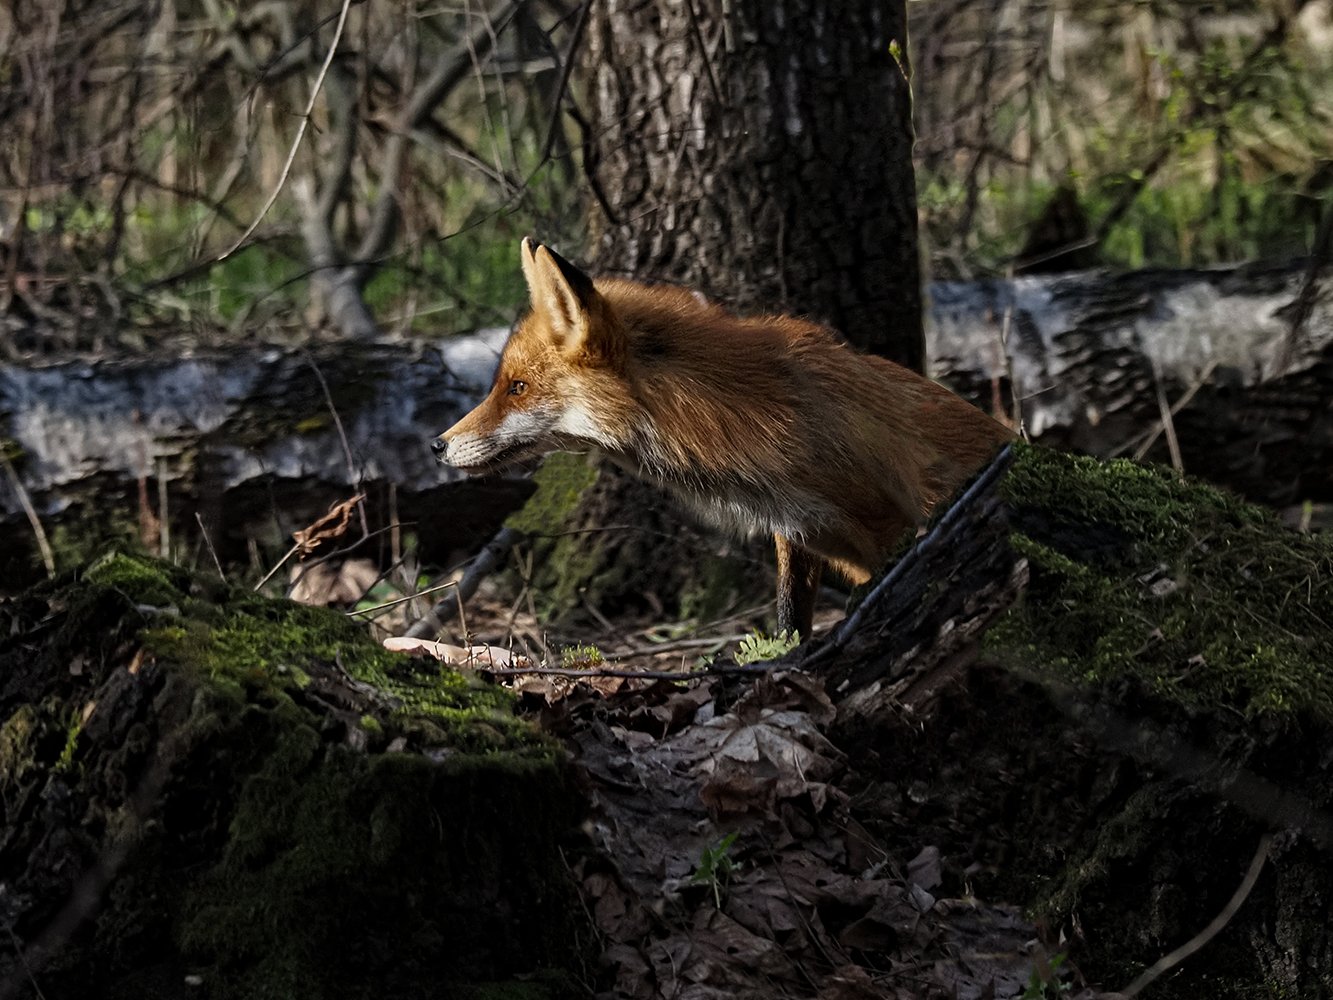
x: 1208, y: 933
x: 401, y: 600
x: 209, y: 542
x: 462, y: 618
x: 280, y: 563
x: 353, y: 474
x: 1006, y: 329
x: 300, y: 134
x: 1150, y: 438
x: 1168, y: 424
x: 703, y: 54
x: 752, y: 670
x: 562, y: 85
x: 163, y: 513
x: 486, y: 561
x: 43, y: 544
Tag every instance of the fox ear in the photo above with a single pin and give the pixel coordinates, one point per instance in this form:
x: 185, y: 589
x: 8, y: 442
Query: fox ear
x: 560, y: 292
x: 527, y: 250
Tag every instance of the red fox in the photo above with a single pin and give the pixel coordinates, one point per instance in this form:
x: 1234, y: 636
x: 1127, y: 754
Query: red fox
x: 762, y: 423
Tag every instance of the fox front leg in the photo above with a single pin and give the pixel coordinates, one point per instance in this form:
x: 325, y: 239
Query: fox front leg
x: 798, y: 580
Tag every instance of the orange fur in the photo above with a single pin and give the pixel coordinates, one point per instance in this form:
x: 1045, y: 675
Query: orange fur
x: 763, y: 423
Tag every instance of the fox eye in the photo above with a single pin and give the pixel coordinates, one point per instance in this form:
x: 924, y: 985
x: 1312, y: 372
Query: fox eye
x: 517, y: 387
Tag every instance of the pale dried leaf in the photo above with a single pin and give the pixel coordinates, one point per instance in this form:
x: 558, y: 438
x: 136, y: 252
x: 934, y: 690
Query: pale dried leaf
x: 479, y: 657
x: 325, y: 584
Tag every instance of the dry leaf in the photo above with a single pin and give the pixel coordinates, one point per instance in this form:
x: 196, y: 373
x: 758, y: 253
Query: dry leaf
x: 332, y: 525
x: 323, y: 584
x: 479, y: 657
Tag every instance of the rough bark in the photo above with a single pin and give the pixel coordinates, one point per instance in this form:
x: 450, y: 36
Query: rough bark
x: 1249, y: 350
x: 760, y: 152
x: 248, y: 440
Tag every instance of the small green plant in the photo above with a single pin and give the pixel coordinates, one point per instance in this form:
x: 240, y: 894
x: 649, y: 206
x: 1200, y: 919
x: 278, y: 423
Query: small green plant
x: 582, y: 657
x: 66, y: 760
x: 1044, y: 983
x: 716, y: 866
x: 758, y: 647
x: 371, y: 724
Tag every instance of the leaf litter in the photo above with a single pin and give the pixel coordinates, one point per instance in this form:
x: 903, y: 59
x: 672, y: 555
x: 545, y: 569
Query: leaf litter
x: 729, y: 864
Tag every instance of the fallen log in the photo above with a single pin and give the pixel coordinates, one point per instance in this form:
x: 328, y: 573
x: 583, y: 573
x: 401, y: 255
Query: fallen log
x: 263, y: 439
x: 1243, y: 355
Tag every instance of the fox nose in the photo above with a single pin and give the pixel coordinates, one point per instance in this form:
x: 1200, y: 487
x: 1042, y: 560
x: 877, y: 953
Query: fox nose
x: 439, y: 445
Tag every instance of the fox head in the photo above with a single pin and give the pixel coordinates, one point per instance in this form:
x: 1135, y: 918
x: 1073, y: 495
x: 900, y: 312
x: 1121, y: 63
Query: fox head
x: 560, y: 381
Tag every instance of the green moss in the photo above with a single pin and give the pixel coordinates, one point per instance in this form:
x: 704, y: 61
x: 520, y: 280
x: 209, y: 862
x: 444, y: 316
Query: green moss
x: 583, y: 657
x: 262, y: 644
x: 250, y: 644
x: 560, y: 481
x: 282, y: 852
x: 66, y: 759
x: 1202, y: 598
x: 16, y: 741
x: 142, y: 580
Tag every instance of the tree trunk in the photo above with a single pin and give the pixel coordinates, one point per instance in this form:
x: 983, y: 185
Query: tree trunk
x: 760, y: 152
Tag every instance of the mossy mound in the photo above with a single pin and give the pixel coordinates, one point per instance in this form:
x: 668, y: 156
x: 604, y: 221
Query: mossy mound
x: 1204, y: 599
x: 1158, y: 699
x: 1187, y: 636
x: 210, y: 794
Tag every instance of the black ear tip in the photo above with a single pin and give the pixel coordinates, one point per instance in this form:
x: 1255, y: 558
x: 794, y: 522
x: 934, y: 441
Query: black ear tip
x: 579, y: 281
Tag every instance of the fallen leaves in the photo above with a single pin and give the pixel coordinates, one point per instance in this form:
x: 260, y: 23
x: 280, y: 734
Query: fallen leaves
x: 729, y: 863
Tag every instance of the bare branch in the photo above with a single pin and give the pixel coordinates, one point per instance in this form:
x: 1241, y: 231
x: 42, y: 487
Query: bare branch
x: 487, y: 560
x: 300, y: 134
x: 451, y: 69
x: 1187, y: 949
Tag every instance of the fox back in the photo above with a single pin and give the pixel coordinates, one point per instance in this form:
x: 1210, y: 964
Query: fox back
x: 767, y: 423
